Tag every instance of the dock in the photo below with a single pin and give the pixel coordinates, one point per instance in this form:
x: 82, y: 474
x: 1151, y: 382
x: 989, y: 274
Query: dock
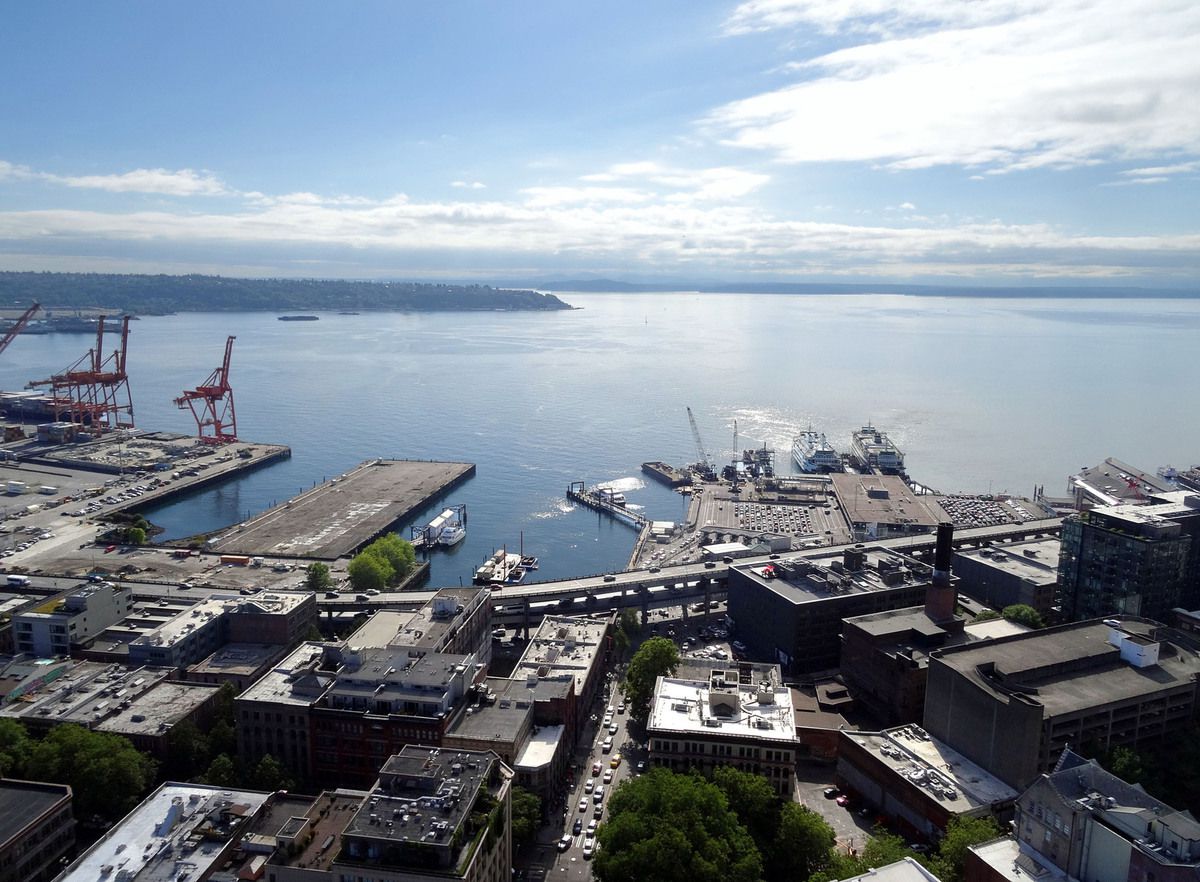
x: 341, y: 515
x: 601, y: 502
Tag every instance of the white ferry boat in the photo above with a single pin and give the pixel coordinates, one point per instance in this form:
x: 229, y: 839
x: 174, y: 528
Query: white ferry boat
x: 813, y: 454
x: 875, y: 451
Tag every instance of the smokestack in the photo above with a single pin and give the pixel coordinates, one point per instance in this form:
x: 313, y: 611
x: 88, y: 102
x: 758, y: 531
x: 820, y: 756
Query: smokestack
x: 940, y: 597
x: 943, y: 554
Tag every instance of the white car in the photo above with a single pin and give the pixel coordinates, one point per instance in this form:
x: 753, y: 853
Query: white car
x: 589, y: 785
x: 589, y: 846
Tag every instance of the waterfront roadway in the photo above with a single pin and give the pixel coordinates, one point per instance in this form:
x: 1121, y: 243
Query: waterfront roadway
x: 669, y: 585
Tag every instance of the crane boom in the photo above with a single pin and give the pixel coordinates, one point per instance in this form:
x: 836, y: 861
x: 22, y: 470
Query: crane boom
x: 705, y: 464
x: 18, y: 326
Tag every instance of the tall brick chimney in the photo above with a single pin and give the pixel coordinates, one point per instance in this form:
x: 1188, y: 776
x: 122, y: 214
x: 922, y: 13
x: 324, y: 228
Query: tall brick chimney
x: 940, y: 596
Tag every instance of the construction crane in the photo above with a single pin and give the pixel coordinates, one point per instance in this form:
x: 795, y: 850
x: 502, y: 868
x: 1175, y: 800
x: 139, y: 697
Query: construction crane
x: 94, y: 391
x: 18, y: 326
x: 705, y: 465
x: 211, y: 404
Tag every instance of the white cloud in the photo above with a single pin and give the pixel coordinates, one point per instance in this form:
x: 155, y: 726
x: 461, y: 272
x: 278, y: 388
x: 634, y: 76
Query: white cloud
x: 999, y: 85
x: 719, y: 183
x: 184, y: 182
x: 469, y: 185
x: 603, y: 226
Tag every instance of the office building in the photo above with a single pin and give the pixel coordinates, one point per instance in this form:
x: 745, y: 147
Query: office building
x: 1000, y: 575
x: 1013, y: 704
x: 54, y: 627
x: 37, y: 829
x: 792, y: 612
x: 1138, y: 560
x: 919, y: 783
x: 726, y: 719
x: 1081, y: 822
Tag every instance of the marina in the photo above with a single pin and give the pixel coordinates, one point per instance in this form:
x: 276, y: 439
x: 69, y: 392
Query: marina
x: 446, y: 530
x: 343, y: 514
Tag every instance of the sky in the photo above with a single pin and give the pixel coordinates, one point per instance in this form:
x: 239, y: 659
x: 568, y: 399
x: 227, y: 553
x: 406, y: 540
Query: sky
x: 990, y: 142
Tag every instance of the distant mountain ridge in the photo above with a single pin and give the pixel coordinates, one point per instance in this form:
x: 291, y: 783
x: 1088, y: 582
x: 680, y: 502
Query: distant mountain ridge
x: 197, y: 293
x: 965, y: 290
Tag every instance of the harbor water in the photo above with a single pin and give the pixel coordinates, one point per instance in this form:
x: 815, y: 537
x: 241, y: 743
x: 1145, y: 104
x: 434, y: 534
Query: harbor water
x: 982, y: 395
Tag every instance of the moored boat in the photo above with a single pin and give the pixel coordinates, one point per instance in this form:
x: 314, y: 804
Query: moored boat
x: 812, y: 453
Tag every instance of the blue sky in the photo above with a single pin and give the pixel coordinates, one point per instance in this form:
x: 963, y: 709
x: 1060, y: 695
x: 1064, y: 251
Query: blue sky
x: 994, y: 141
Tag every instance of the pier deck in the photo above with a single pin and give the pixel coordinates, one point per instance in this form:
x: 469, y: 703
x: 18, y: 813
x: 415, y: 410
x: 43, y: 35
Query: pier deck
x: 338, y: 517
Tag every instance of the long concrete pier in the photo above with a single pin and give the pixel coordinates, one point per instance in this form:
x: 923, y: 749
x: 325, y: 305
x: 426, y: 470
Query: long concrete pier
x: 343, y: 514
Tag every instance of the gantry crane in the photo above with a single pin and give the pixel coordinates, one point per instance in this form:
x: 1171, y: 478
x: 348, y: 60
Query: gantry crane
x: 211, y: 404
x: 94, y: 391
x: 18, y: 326
x: 705, y: 465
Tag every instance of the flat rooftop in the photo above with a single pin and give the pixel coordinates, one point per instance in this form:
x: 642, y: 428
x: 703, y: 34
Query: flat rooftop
x: 297, y: 680
x: 235, y: 660
x: 1073, y: 667
x: 156, y: 711
x: 806, y: 580
x: 328, y: 816
x: 539, y: 750
x: 22, y: 802
x: 87, y: 694
x: 188, y: 822
x: 1034, y: 561
x: 941, y: 773
x: 501, y: 720
x: 337, y: 517
x: 884, y: 499
x: 1007, y: 859
x: 689, y: 707
x: 564, y: 646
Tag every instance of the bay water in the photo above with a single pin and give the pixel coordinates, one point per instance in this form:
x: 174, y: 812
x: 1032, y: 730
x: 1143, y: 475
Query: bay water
x: 983, y: 395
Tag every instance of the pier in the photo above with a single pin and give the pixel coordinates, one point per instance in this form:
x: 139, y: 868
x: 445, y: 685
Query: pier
x: 603, y: 502
x: 341, y: 515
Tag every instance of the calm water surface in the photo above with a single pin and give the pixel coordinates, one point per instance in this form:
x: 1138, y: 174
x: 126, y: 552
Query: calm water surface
x: 981, y: 394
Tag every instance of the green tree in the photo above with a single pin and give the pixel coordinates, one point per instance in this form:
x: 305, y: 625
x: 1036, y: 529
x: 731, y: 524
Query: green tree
x: 526, y: 815
x: 961, y: 834
x: 987, y: 615
x: 627, y: 629
x: 187, y: 752
x: 656, y: 658
x: 1023, y: 614
x: 316, y: 577
x: 754, y: 801
x: 135, y: 536
x: 270, y: 775
x: 108, y: 774
x: 399, y: 554
x: 14, y: 748
x: 369, y: 572
x: 880, y: 850
x: 221, y: 772
x: 668, y: 827
x: 803, y: 844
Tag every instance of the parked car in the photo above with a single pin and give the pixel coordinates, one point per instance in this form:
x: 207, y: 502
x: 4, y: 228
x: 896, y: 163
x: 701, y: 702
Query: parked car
x: 564, y: 843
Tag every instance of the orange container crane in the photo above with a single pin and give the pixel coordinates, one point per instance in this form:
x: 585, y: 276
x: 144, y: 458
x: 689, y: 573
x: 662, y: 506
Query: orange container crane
x: 18, y: 326
x: 211, y: 404
x: 94, y: 391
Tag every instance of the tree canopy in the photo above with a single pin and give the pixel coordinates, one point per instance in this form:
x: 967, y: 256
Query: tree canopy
x: 1023, y: 614
x: 386, y: 561
x: 108, y: 775
x: 657, y: 657
x: 162, y: 293
x: 526, y: 815
x: 665, y: 827
x: 316, y: 577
